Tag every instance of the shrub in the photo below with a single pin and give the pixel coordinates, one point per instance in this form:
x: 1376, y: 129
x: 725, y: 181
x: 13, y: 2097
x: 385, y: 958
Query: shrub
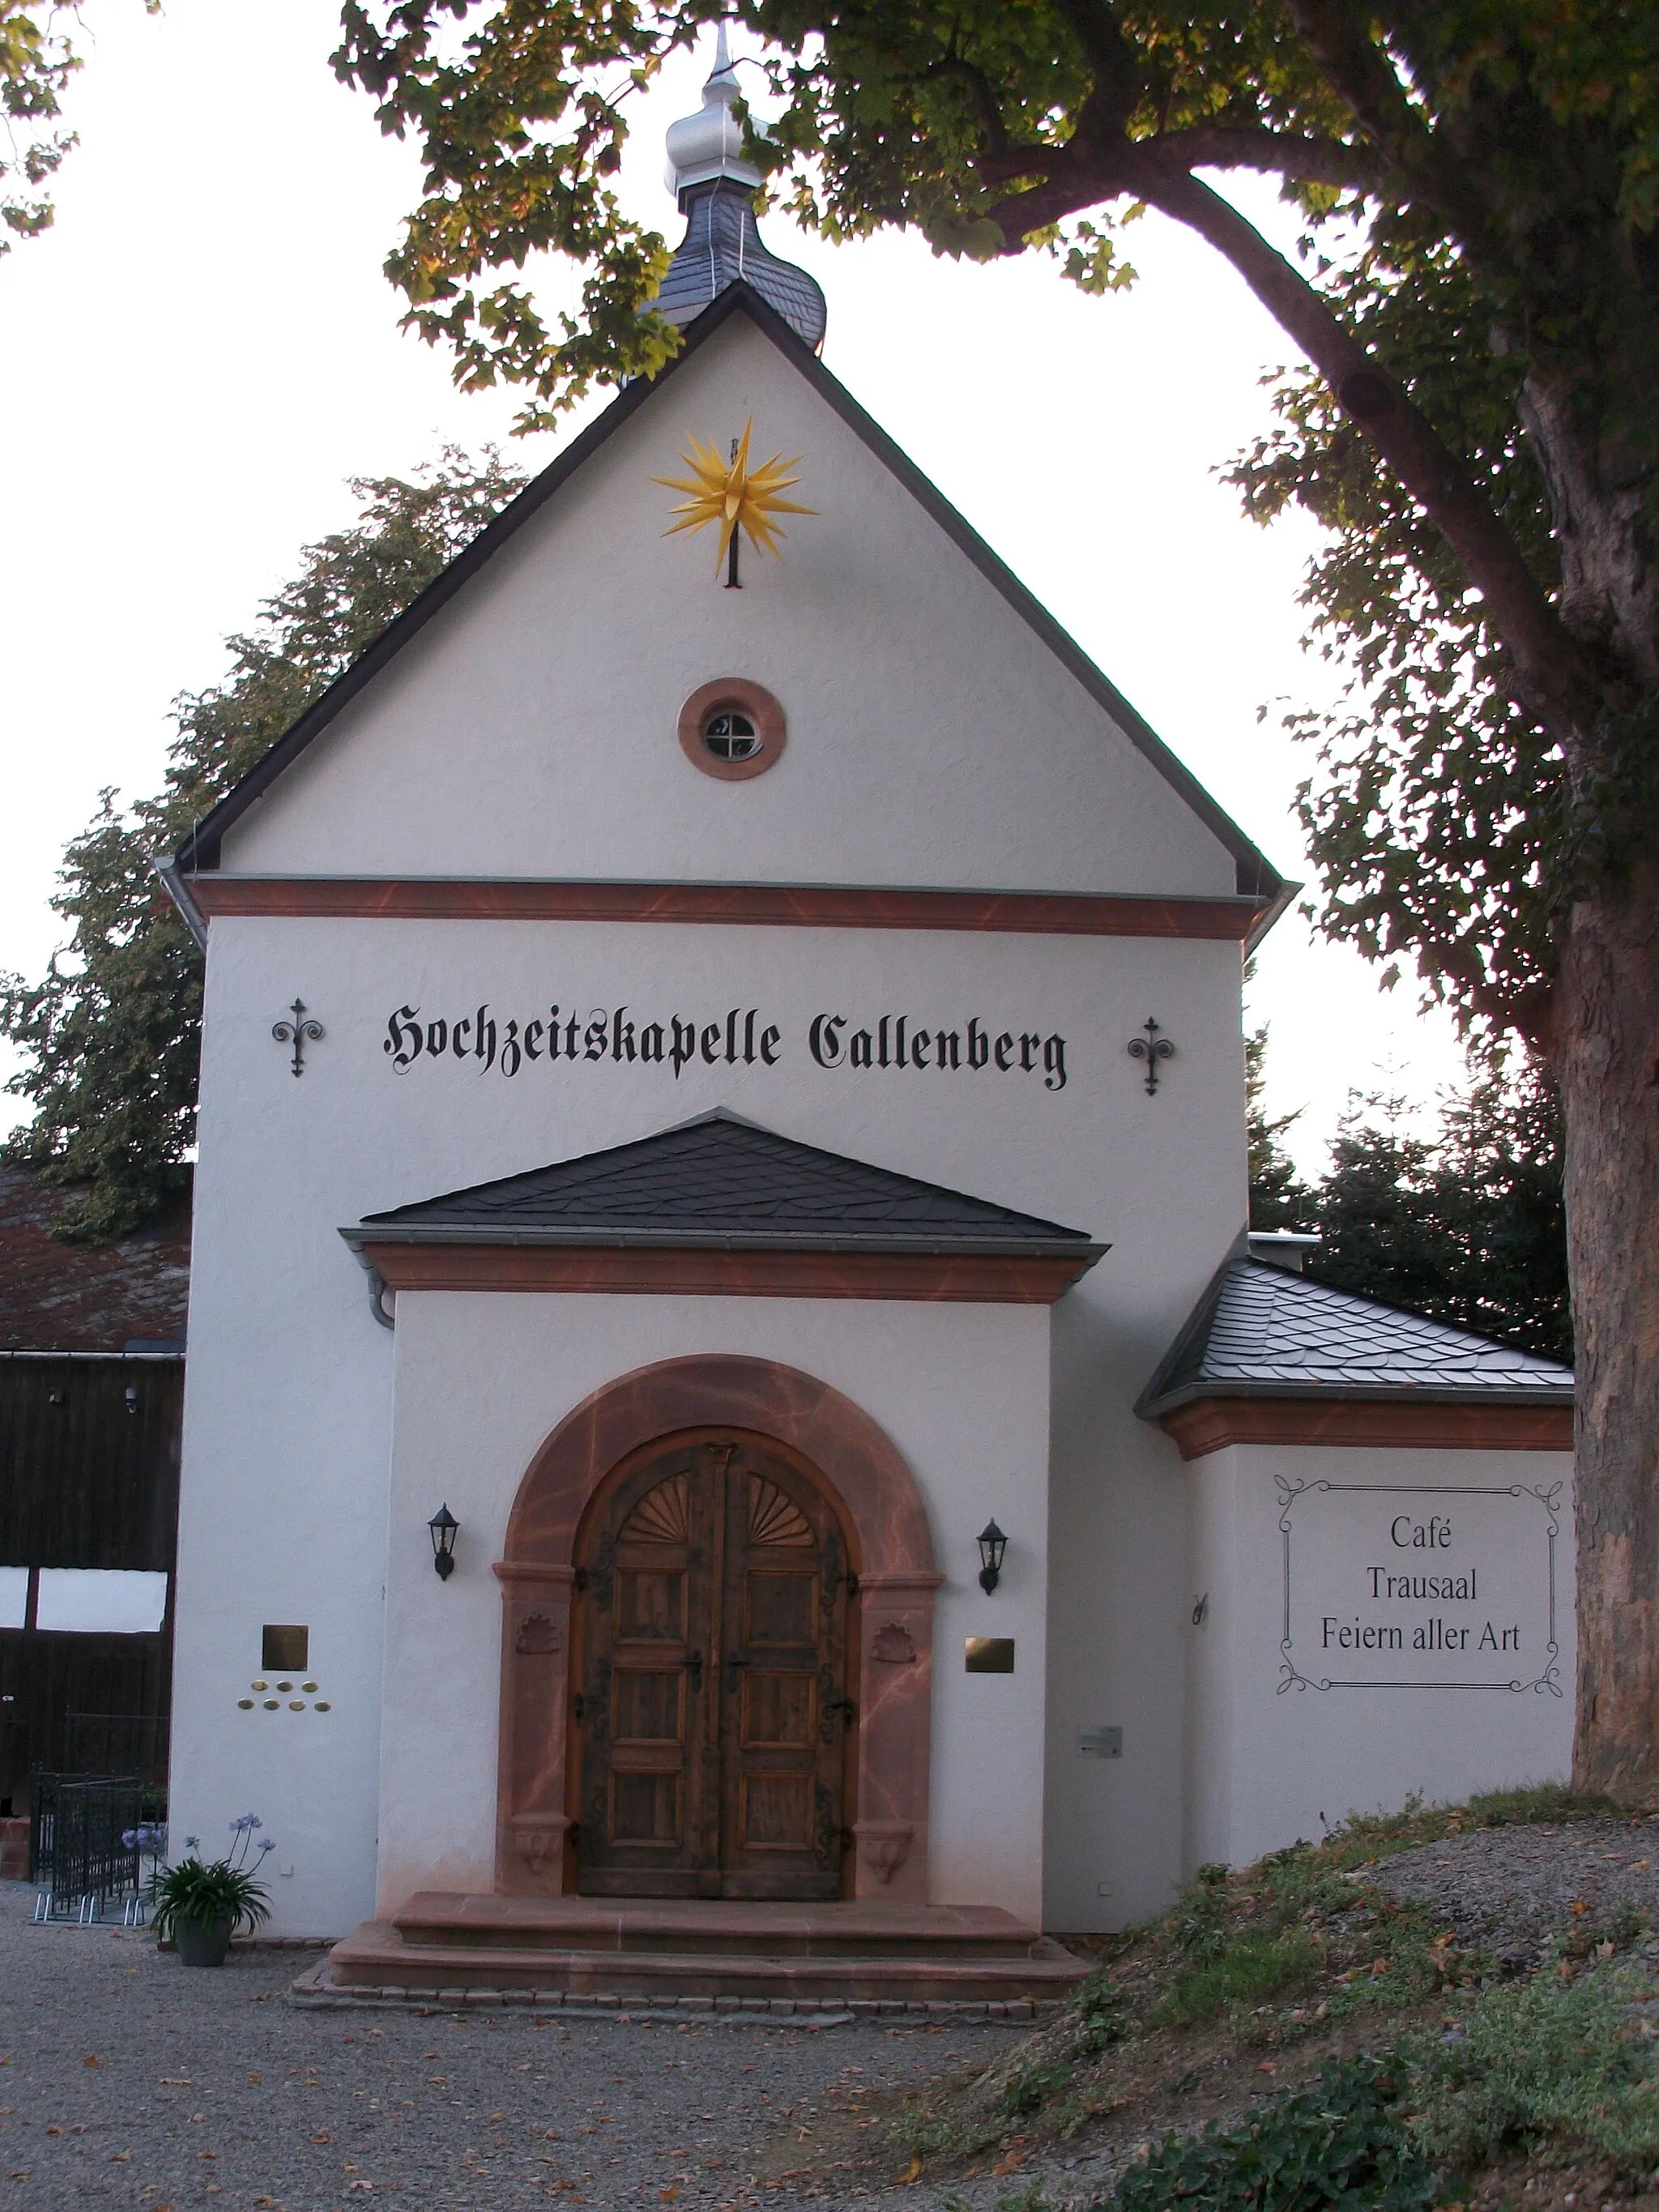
x: 1334, y: 2143
x: 1540, y: 2061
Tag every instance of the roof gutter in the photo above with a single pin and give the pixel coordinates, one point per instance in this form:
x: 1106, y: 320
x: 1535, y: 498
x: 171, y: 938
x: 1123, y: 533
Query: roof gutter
x: 362, y: 1235
x: 1417, y: 1394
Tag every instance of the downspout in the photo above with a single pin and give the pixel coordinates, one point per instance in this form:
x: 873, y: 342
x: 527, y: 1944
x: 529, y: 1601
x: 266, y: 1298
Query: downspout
x: 179, y: 891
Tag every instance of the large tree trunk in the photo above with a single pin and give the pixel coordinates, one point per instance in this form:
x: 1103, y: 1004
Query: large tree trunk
x: 1608, y: 1059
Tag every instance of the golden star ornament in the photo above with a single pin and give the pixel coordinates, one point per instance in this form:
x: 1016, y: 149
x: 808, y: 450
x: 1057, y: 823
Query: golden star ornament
x: 734, y: 496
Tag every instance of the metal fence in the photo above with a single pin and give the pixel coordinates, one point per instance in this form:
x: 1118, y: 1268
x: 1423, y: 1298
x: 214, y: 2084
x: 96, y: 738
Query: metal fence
x: 76, y: 1857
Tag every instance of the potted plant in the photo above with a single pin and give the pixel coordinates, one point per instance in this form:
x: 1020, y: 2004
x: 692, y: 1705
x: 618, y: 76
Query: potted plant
x: 200, y: 1904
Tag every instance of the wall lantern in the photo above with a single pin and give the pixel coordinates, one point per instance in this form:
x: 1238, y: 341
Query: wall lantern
x: 992, y: 1546
x: 441, y: 1527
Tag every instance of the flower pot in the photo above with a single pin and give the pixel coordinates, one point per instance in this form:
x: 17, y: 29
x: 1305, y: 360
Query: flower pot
x: 201, y: 1943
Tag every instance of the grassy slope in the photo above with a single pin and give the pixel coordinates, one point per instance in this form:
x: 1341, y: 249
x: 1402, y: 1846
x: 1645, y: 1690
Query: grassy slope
x: 1227, y: 2052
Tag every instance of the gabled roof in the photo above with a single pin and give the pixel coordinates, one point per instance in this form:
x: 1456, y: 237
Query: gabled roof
x: 1256, y: 878
x: 720, y: 1182
x: 1260, y: 1332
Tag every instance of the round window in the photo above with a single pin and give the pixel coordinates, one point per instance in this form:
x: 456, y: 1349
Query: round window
x: 731, y: 736
x: 731, y: 729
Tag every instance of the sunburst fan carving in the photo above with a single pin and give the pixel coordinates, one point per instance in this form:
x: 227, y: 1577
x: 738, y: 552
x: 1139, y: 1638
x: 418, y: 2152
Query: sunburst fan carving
x: 663, y: 1516
x: 774, y: 1517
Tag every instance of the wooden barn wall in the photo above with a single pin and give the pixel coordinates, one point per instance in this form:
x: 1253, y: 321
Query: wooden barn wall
x: 85, y: 1482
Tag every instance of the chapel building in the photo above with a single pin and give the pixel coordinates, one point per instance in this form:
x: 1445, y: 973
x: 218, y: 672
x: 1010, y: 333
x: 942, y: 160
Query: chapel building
x: 727, y: 1372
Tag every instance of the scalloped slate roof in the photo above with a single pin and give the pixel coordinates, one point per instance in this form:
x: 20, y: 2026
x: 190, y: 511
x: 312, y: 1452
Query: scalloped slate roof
x: 723, y: 246
x: 1261, y: 1332
x: 718, y: 1181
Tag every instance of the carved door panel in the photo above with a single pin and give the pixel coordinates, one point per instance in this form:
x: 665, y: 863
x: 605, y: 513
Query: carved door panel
x: 643, y: 1824
x: 785, y: 1714
x: 711, y: 1693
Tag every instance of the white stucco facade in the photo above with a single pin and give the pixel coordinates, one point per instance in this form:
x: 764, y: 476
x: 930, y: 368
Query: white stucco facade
x: 936, y: 741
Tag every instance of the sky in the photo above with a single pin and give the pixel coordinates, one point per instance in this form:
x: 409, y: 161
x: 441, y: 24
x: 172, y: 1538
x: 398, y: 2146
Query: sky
x: 204, y: 349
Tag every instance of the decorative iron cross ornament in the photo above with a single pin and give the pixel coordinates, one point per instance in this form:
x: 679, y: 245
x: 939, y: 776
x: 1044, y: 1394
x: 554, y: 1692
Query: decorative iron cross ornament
x: 1151, y: 1048
x: 298, y: 1033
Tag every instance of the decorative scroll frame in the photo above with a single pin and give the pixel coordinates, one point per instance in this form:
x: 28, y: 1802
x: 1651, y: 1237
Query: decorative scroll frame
x: 1547, y: 1496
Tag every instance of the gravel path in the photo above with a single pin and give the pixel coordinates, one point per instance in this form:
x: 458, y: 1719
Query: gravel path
x: 127, y: 2080
x: 1509, y: 1887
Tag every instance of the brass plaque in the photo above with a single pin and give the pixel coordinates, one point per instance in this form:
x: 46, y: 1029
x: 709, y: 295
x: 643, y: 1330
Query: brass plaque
x: 990, y: 1654
x: 284, y: 1651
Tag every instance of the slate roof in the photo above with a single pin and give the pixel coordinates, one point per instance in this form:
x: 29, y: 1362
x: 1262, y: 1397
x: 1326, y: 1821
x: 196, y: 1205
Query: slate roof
x: 718, y: 1181
x: 129, y: 1296
x: 1260, y: 1332
x: 723, y: 246
x: 1257, y: 879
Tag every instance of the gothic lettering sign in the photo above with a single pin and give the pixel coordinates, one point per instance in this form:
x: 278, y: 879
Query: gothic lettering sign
x: 488, y: 1041
x: 1399, y: 1587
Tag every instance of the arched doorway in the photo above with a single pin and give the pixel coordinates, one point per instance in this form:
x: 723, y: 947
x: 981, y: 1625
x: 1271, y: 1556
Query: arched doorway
x: 713, y: 1593
x: 853, y: 1473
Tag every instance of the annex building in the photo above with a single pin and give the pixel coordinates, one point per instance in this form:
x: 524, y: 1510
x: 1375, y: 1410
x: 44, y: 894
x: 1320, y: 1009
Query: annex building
x: 754, y: 1151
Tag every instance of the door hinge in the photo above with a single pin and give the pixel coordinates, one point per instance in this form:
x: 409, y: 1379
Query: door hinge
x: 578, y: 1705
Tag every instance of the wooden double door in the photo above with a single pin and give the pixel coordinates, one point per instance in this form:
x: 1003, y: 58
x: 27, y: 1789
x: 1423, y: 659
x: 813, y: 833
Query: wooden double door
x: 712, y: 1706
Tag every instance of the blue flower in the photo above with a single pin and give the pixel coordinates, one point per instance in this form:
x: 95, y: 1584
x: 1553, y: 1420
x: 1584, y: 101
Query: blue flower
x: 267, y: 1843
x: 130, y: 1838
x: 192, y: 1842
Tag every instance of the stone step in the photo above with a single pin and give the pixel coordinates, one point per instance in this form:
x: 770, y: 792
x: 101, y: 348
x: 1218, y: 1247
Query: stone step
x: 377, y: 1955
x: 843, y: 1929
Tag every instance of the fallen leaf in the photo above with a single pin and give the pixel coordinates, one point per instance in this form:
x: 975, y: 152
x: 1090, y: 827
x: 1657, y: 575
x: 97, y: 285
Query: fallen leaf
x: 120, y: 2158
x: 256, y: 2079
x: 89, y: 2062
x: 667, y: 2196
x: 912, y: 2172
x: 323, y: 2137
x: 54, y: 2131
x: 177, y: 2081
x: 207, y: 2153
x: 1266, y: 2067
x: 1580, y: 1908
x: 1010, y: 2164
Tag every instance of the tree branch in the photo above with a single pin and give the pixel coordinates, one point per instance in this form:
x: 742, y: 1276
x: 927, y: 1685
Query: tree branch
x: 1302, y: 161
x: 1548, y: 666
x: 1339, y: 36
x: 1206, y: 146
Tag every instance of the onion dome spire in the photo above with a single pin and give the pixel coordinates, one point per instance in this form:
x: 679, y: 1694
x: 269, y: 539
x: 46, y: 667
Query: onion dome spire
x: 716, y: 188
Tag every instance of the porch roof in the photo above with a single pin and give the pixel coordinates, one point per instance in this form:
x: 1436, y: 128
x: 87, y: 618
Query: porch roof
x: 1261, y: 1332
x: 721, y: 1182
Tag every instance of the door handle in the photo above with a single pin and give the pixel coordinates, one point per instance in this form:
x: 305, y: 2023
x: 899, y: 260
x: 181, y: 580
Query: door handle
x: 733, y: 1667
x: 692, y: 1663
x: 844, y: 1706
